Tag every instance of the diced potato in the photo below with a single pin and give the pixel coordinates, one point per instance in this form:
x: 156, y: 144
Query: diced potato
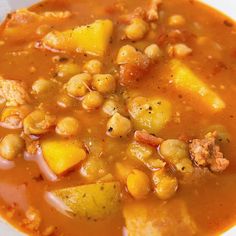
x: 145, y: 218
x: 92, y: 39
x: 185, y: 79
x: 93, y: 201
x: 62, y: 154
x: 151, y: 114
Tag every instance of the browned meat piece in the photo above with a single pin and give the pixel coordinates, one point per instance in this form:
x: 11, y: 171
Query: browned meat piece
x: 138, y: 12
x: 13, y: 92
x: 33, y: 219
x: 146, y: 138
x: 152, y: 13
x: 206, y: 153
x: 132, y: 72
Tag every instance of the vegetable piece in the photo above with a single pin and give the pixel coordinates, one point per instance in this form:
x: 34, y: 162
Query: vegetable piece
x: 38, y: 122
x: 42, y: 86
x: 176, y: 152
x: 78, y: 85
x: 93, y: 66
x: 129, y: 55
x: 92, y: 39
x: 185, y: 79
x: 93, y: 201
x: 118, y: 126
x: 179, y: 50
x: 176, y: 20
x: 94, y: 168
x: 11, y: 146
x: 146, y: 155
x: 144, y: 218
x: 165, y: 184
x: 61, y: 154
x: 104, y: 83
x: 137, y: 29
x: 67, y: 69
x: 68, y: 126
x: 138, y: 184
x: 153, y: 52
x: 92, y: 100
x: 12, y: 117
x: 151, y: 114
x: 122, y: 170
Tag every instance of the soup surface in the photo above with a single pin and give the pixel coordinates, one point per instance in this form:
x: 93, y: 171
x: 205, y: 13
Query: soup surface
x: 118, y: 118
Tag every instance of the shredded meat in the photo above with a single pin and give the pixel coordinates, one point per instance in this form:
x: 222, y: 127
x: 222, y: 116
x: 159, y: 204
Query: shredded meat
x: 138, y: 12
x: 33, y: 219
x: 206, y: 153
x: 13, y: 92
x: 146, y: 138
x: 152, y: 13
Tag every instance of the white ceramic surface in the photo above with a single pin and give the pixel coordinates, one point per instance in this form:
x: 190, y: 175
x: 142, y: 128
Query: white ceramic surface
x: 226, y: 6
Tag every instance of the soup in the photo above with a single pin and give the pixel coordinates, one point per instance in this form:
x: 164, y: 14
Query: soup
x: 118, y: 118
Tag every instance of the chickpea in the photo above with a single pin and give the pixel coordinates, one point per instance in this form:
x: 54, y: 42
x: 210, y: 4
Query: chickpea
x: 66, y: 101
x: 126, y: 54
x: 94, y: 168
x: 11, y: 146
x: 179, y: 50
x: 42, y: 86
x: 93, y: 67
x: 38, y: 122
x: 12, y: 117
x: 104, y: 83
x: 137, y: 29
x: 77, y: 86
x: 68, y: 69
x: 176, y: 152
x: 165, y: 185
x: 138, y: 184
x: 118, y: 126
x: 110, y: 107
x: 140, y: 151
x: 68, y: 126
x: 153, y: 52
x: 176, y: 20
x: 92, y: 100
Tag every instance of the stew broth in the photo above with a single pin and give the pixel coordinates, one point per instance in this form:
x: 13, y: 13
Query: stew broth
x: 204, y: 203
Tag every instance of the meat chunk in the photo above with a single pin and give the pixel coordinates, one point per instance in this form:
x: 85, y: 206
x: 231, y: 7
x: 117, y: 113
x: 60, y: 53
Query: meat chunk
x: 13, y: 92
x: 133, y: 65
x: 131, y: 73
x: 206, y: 153
x: 152, y: 13
x: 146, y: 138
x: 33, y: 219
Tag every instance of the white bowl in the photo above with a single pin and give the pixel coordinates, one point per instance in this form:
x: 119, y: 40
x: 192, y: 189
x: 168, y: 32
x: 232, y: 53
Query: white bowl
x: 228, y: 7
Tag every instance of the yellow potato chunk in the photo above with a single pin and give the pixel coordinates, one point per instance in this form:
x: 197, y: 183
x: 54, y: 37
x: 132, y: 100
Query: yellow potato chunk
x: 62, y: 154
x: 151, y: 114
x: 146, y: 218
x: 185, y: 79
x: 91, y: 39
x: 93, y: 201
